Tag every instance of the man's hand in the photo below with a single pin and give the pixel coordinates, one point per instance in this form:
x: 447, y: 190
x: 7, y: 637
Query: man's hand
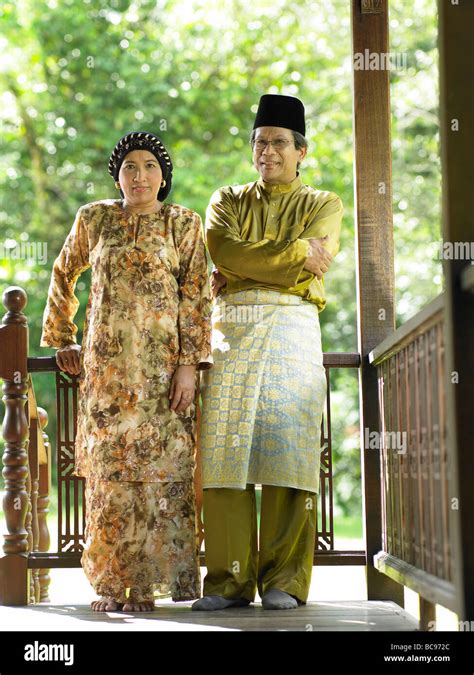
x: 218, y: 280
x: 183, y: 388
x: 67, y: 359
x: 319, y: 259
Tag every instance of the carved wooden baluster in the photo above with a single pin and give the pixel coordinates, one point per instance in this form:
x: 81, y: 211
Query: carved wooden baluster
x: 34, y: 487
x: 29, y: 509
x: 14, y: 573
x: 43, y: 507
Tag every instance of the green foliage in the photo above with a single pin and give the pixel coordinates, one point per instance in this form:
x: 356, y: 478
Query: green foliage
x: 77, y: 75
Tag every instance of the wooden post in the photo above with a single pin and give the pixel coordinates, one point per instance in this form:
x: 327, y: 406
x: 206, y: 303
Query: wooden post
x: 32, y: 516
x: 43, y: 506
x: 456, y: 50
x: 374, y: 252
x: 427, y: 614
x: 29, y: 518
x: 14, y: 573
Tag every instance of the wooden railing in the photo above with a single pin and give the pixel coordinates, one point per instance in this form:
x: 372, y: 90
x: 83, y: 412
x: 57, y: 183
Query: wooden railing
x: 415, y: 472
x: 27, y: 468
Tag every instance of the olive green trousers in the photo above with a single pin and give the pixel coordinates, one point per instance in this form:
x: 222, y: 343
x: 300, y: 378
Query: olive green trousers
x: 236, y: 565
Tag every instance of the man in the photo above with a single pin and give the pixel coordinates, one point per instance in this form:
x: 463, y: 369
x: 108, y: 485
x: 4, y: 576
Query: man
x: 272, y: 241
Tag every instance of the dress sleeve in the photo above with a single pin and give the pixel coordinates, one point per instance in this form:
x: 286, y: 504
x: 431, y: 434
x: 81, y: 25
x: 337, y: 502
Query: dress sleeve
x: 195, y: 305
x: 59, y: 329
x: 273, y: 262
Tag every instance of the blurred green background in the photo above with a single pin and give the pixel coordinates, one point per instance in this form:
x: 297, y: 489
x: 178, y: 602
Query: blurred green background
x: 76, y: 75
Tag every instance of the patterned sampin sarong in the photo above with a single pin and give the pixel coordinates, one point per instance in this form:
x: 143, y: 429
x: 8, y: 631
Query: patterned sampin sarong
x: 263, y: 400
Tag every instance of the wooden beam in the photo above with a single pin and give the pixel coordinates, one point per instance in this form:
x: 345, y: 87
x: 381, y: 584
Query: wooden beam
x: 456, y: 52
x: 47, y: 364
x: 374, y: 252
x: 431, y: 588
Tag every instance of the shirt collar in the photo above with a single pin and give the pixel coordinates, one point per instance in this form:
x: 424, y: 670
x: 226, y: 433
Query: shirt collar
x: 280, y: 188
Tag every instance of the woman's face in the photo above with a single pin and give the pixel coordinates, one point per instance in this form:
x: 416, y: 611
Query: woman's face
x: 140, y: 178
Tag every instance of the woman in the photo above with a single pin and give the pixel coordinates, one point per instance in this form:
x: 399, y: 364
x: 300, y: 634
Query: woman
x: 146, y: 334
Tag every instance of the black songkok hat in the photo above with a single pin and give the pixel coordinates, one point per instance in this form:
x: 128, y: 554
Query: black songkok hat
x: 276, y: 110
x: 142, y: 140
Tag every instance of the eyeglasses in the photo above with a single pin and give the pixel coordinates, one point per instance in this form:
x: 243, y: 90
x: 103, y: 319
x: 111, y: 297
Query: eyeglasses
x: 279, y: 144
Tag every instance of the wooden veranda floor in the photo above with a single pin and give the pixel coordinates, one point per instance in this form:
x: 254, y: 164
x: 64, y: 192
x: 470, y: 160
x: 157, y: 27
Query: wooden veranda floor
x: 316, y: 616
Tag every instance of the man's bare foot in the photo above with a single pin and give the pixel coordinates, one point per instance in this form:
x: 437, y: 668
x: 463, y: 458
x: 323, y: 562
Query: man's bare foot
x: 139, y: 605
x: 106, y: 605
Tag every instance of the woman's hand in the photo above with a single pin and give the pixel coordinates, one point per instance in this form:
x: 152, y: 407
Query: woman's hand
x: 218, y: 280
x: 183, y: 388
x: 67, y: 359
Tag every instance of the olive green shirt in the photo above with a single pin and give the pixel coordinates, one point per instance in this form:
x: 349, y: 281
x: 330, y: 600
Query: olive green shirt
x: 256, y: 235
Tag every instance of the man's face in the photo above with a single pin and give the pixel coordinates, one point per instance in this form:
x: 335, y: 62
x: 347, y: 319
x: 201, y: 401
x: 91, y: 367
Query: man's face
x: 276, y: 162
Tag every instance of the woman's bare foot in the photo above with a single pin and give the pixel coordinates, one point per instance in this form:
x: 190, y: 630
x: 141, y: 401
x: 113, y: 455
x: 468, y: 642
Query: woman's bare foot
x: 106, y: 605
x: 133, y: 605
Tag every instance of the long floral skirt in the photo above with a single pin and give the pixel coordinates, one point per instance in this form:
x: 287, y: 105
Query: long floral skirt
x: 141, y: 540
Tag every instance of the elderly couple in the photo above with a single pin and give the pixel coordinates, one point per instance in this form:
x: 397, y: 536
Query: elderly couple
x: 146, y: 353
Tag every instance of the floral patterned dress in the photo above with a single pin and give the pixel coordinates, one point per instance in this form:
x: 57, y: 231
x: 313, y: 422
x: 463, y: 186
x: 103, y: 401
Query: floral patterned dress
x: 148, y: 312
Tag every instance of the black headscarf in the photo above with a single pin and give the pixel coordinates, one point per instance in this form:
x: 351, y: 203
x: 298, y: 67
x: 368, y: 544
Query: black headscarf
x: 143, y: 140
